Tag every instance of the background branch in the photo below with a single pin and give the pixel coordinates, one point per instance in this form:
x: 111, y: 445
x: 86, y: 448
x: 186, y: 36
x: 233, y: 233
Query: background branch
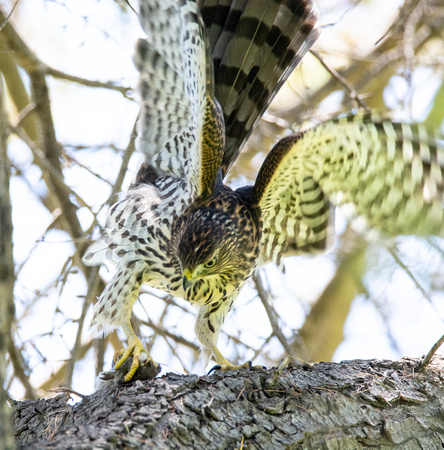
x: 7, y: 278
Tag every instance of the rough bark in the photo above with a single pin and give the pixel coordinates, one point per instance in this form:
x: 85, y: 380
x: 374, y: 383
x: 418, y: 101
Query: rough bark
x: 345, y: 405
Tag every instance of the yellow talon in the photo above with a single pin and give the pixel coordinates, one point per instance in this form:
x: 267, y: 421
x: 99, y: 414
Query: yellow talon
x: 224, y: 364
x: 135, y: 349
x: 229, y: 366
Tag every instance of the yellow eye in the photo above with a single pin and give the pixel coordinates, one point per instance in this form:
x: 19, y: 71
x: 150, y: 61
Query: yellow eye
x: 210, y: 263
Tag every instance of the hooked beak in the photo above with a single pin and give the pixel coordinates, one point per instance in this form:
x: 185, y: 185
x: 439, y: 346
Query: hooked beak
x: 186, y: 279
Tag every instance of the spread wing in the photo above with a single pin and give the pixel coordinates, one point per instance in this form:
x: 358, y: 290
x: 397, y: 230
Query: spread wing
x: 255, y: 44
x: 180, y: 129
x: 386, y: 176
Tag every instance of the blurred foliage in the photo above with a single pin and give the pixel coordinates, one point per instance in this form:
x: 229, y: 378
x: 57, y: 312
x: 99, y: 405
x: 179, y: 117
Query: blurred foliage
x: 71, y: 152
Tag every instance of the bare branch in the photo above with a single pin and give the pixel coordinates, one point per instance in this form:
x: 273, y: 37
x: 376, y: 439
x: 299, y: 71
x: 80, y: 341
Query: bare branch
x: 7, y: 278
x: 86, y: 82
x: 393, y: 251
x: 426, y: 360
x: 123, y: 168
x: 167, y: 334
x: 93, y: 289
x: 271, y: 313
x: 30, y: 63
x: 21, y: 369
x: 59, y: 376
x: 5, y: 21
x: 353, y: 93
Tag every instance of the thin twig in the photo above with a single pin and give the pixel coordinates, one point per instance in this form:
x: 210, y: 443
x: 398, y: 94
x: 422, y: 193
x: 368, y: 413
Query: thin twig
x: 272, y: 315
x: 393, y: 252
x: 35, y: 69
x: 86, y: 168
x: 93, y: 285
x: 124, y: 90
x: 404, y: 14
x: 57, y: 377
x: 259, y: 351
x: 67, y: 391
x: 163, y: 332
x: 176, y: 354
x: 56, y: 176
x: 132, y: 9
x: 427, y: 358
x: 123, y: 167
x: 21, y: 368
x: 6, y: 20
x: 354, y: 95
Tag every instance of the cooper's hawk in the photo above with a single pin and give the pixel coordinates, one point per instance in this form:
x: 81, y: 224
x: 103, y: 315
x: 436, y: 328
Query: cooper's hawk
x: 180, y: 229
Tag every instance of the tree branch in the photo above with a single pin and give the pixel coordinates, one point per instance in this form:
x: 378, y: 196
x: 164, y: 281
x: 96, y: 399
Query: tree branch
x: 49, y: 145
x: 86, y: 82
x: 271, y: 313
x: 354, y: 404
x: 7, y: 277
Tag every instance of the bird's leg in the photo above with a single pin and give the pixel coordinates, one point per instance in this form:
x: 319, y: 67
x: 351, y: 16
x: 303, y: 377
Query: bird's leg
x: 115, y: 306
x: 208, y: 324
x: 135, y: 349
x: 224, y: 364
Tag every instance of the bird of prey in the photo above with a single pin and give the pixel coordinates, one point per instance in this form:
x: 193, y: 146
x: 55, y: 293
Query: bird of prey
x: 208, y: 70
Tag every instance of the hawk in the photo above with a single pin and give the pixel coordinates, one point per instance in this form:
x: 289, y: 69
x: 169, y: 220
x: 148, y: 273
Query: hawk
x: 208, y: 71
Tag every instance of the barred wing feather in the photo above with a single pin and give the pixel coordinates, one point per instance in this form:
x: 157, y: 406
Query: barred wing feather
x: 255, y: 46
x: 387, y: 177
x: 176, y: 88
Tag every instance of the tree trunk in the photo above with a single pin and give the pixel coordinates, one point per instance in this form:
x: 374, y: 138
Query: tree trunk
x: 353, y: 404
x: 7, y: 276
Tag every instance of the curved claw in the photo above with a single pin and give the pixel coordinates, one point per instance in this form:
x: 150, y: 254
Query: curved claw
x: 225, y: 365
x: 228, y: 366
x: 139, y: 354
x: 216, y: 367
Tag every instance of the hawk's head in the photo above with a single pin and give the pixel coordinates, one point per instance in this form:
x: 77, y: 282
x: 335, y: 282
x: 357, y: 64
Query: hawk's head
x: 217, y: 248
